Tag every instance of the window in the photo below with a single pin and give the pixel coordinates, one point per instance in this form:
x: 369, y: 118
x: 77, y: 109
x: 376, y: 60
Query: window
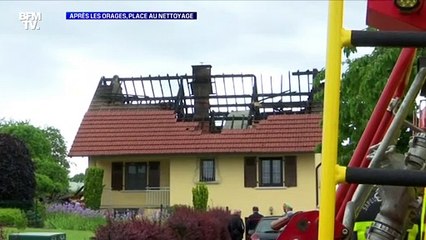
x: 154, y: 174
x: 250, y: 172
x: 117, y: 176
x: 135, y: 175
x: 207, y: 170
x: 290, y: 169
x: 270, y: 171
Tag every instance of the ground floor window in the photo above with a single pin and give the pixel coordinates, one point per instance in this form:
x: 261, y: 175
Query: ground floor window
x: 135, y: 175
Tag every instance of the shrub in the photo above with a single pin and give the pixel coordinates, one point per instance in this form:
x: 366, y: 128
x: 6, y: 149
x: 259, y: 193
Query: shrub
x: 2, y: 234
x: 73, y: 217
x: 12, y: 217
x: 221, y: 217
x: 190, y: 224
x: 36, y: 216
x: 200, y: 197
x: 93, y: 187
x: 185, y: 223
x: 17, y: 180
x: 211, y: 228
x: 177, y: 207
x: 52, y: 178
x: 133, y: 230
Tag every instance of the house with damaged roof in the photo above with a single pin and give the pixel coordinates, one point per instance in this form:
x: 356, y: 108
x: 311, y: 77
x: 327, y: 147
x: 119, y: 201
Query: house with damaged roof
x: 251, y: 141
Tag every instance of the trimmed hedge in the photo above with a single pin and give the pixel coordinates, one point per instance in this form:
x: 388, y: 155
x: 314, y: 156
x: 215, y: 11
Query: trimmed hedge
x: 12, y: 217
x: 93, y: 187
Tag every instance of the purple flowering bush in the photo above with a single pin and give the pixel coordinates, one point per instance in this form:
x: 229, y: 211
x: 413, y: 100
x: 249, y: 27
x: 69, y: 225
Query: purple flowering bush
x: 73, y: 217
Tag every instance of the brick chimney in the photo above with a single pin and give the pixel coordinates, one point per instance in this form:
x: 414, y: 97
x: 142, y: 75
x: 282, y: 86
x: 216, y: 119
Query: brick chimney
x: 201, y: 89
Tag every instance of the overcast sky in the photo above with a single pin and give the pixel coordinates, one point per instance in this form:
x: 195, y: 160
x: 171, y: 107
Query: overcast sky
x: 49, y: 76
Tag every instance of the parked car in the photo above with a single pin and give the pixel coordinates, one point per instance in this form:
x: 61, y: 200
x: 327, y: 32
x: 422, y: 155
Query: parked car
x: 264, y: 231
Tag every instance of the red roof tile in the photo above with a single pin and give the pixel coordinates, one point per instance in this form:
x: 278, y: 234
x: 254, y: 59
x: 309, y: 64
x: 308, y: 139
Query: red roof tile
x: 142, y: 131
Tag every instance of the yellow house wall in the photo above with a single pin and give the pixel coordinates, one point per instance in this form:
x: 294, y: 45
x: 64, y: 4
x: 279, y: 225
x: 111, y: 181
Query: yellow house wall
x: 181, y: 174
x: 127, y: 198
x: 318, y: 158
x: 229, y: 190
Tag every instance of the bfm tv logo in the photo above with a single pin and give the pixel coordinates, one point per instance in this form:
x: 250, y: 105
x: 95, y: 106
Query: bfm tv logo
x: 30, y: 20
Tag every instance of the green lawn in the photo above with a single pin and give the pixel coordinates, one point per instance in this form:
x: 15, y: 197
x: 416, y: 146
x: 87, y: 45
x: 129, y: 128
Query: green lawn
x: 71, y: 234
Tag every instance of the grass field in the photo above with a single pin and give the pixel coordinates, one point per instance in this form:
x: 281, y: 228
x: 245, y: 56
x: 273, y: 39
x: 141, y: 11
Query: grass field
x: 71, y: 234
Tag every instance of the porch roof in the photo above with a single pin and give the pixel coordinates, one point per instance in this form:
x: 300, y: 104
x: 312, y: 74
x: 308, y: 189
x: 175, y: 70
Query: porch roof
x: 132, y: 131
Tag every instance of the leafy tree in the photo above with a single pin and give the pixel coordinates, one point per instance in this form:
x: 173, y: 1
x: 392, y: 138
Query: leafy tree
x: 45, y: 186
x: 361, y: 86
x: 46, y: 147
x: 57, y: 182
x: 78, y: 177
x: 17, y: 180
x: 58, y: 146
x: 93, y: 187
x: 34, y: 138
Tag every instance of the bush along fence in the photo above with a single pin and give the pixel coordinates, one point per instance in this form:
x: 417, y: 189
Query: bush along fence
x: 183, y: 223
x: 179, y: 222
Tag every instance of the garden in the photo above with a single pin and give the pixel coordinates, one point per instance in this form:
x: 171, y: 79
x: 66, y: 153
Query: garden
x: 73, y: 220
x: 31, y: 196
x: 32, y: 200
x: 79, y: 223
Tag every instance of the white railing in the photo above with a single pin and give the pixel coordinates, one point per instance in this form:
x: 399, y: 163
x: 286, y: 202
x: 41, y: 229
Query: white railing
x: 157, y: 196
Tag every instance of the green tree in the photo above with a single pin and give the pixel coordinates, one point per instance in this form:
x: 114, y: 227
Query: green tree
x: 361, y: 86
x: 46, y: 147
x: 58, y: 146
x: 36, y: 141
x: 17, y: 181
x: 57, y: 175
x: 93, y: 187
x: 79, y: 177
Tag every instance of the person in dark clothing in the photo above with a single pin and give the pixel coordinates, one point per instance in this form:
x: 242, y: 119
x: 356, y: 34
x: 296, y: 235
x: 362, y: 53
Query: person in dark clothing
x: 236, y: 226
x: 252, y: 221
